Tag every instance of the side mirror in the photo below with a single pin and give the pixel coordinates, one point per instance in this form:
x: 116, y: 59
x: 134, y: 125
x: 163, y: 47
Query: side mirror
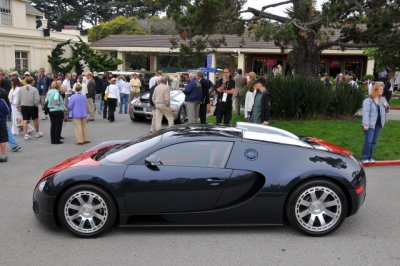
x: 153, y: 161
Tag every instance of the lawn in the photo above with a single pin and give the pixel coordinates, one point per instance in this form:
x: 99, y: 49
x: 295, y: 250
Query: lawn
x: 345, y: 133
x: 395, y: 102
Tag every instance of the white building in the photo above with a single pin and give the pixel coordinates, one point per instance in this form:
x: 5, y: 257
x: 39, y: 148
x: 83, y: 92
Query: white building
x: 22, y: 46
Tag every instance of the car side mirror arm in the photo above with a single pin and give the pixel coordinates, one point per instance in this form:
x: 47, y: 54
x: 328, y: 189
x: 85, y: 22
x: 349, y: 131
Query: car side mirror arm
x: 152, y: 161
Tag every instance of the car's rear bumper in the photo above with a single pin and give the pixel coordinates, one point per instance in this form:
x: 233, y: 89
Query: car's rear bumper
x: 359, y: 193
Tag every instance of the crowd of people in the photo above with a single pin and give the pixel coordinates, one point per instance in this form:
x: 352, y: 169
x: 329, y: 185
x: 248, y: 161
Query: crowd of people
x: 62, y: 98
x: 71, y: 97
x: 77, y: 98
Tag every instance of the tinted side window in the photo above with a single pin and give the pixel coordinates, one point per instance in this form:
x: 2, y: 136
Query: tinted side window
x: 196, y: 153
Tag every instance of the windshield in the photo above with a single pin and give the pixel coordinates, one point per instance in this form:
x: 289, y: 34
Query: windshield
x: 125, y: 151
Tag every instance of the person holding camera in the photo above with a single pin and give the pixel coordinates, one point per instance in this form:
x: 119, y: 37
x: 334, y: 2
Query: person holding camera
x: 225, y: 89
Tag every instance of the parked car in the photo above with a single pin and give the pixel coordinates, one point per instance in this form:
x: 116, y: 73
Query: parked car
x: 140, y: 108
x: 200, y: 175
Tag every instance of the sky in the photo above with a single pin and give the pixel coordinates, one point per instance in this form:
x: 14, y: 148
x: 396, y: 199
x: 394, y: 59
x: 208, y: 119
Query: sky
x: 276, y: 10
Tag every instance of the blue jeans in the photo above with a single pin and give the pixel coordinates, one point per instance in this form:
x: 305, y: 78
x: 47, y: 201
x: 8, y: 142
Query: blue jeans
x: 124, y: 101
x: 371, y: 137
x: 11, y: 139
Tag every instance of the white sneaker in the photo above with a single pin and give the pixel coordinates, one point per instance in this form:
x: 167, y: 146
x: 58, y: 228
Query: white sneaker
x: 27, y: 136
x: 372, y: 161
x: 38, y: 134
x: 365, y: 161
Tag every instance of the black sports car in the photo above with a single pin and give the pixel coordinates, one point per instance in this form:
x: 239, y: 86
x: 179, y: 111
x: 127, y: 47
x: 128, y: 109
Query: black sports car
x: 204, y: 175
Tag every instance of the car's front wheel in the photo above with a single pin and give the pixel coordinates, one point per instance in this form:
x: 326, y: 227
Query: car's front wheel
x: 317, y: 207
x: 86, y: 210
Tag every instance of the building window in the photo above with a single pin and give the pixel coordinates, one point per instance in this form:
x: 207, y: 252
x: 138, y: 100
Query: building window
x: 21, y: 60
x: 5, y: 13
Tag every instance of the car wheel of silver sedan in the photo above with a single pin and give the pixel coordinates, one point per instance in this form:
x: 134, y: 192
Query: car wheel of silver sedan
x: 317, y: 207
x: 86, y: 210
x: 181, y: 116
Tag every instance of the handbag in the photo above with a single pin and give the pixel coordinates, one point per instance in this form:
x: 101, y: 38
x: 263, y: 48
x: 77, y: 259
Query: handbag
x: 106, y: 94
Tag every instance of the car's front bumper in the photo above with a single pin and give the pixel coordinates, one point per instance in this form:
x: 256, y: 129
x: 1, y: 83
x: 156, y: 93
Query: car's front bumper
x: 43, y: 207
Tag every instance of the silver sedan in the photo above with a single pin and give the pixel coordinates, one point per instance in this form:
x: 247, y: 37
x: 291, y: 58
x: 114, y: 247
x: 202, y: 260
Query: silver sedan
x: 140, y: 109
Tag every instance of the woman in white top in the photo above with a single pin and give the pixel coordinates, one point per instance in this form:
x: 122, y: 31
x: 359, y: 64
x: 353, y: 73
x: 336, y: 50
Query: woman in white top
x: 249, y: 102
x: 16, y: 116
x: 125, y: 91
x: 113, y: 98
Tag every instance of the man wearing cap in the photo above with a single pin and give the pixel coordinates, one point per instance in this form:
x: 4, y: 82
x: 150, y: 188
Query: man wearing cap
x: 23, y: 81
x: 226, y: 89
x: 42, y: 84
x: 193, y: 93
x: 262, y: 104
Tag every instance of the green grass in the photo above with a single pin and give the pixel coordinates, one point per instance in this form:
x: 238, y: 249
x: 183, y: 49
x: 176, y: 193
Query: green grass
x: 395, y: 102
x: 345, y: 133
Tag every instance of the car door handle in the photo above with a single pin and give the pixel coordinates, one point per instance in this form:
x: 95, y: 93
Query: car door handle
x: 215, y: 181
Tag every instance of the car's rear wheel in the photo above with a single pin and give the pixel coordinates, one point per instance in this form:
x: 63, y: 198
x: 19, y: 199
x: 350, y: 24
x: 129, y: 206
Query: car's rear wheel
x: 86, y: 210
x: 317, y: 207
x: 181, y: 116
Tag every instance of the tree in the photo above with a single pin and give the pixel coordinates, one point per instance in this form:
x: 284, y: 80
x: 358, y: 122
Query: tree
x: 305, y: 31
x: 158, y: 26
x: 58, y: 62
x: 119, y: 25
x: 81, y: 53
x: 82, y: 12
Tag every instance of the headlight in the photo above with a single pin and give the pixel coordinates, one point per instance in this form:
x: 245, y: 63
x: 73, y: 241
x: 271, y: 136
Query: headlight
x: 41, y: 185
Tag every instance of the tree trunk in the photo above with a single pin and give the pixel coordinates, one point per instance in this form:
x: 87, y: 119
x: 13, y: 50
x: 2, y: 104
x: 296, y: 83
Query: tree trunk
x: 305, y: 57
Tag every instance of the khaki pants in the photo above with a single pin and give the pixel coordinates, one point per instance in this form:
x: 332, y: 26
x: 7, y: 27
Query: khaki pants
x: 153, y: 120
x: 80, y: 130
x: 161, y: 110
x: 193, y: 109
x: 90, y: 105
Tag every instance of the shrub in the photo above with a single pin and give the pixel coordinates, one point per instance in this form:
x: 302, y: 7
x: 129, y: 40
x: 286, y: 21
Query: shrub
x: 346, y: 100
x: 298, y: 97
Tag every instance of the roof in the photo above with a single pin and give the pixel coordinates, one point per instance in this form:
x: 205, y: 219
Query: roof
x: 246, y: 41
x: 163, y: 41
x: 33, y: 11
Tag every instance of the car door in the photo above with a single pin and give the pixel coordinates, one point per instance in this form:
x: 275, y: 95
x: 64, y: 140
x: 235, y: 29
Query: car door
x: 184, y: 177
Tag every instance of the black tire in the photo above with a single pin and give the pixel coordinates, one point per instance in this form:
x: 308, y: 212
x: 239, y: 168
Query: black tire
x: 86, y: 211
x: 317, y: 207
x: 137, y: 118
x: 181, y: 116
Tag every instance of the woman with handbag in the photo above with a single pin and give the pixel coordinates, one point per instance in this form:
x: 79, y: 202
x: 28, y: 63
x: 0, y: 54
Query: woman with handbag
x: 56, y: 108
x: 375, y: 108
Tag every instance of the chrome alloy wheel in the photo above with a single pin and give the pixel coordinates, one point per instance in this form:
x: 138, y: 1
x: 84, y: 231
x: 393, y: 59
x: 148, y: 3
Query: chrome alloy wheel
x: 318, y: 209
x: 86, y: 212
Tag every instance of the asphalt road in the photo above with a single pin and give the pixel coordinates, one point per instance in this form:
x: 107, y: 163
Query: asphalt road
x: 371, y: 237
